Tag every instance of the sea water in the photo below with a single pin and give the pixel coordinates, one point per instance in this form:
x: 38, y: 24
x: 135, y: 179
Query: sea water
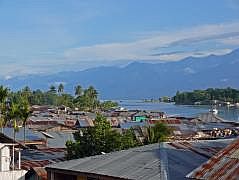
x: 225, y: 112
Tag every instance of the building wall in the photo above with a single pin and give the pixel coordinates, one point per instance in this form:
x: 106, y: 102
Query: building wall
x: 4, y: 158
x: 75, y: 176
x: 10, y: 175
x: 60, y: 176
x: 139, y: 118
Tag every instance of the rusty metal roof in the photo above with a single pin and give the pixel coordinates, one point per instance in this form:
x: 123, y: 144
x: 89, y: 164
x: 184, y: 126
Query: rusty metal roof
x: 223, y: 165
x: 41, y: 172
x: 41, y: 157
x: 166, y: 121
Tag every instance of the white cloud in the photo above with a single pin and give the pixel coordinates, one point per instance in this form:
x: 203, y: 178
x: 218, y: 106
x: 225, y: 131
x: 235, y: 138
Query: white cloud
x: 231, y: 41
x: 178, y: 56
x: 145, y: 49
x: 217, y: 39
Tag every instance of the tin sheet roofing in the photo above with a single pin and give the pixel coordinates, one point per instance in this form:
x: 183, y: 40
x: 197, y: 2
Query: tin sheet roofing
x: 136, y: 163
x: 58, y: 141
x: 41, y: 172
x: 145, y: 162
x: 224, y: 165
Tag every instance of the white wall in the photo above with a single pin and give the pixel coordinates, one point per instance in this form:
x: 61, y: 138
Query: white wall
x: 4, y: 158
x: 13, y: 175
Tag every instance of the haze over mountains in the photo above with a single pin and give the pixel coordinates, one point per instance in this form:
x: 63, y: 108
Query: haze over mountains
x: 144, y: 80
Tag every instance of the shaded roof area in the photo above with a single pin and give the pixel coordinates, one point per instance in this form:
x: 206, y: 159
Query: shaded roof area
x: 223, y: 165
x: 136, y: 163
x: 184, y: 156
x: 41, y: 157
x: 173, y: 160
x: 6, y: 139
x: 58, y: 141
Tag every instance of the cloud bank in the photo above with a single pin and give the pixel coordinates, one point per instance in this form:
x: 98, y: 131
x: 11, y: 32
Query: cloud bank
x: 197, y: 41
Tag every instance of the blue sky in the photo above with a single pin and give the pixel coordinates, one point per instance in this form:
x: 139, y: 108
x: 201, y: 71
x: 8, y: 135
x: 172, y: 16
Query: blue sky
x: 45, y: 36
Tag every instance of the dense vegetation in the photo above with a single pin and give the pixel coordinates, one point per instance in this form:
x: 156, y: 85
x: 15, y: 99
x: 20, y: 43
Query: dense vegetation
x: 207, y: 96
x: 98, y: 139
x: 84, y: 99
x: 103, y: 139
x: 15, y: 106
x: 13, y: 113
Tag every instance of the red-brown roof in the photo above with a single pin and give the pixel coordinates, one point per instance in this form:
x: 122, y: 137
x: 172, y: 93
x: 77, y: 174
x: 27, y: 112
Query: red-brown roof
x: 41, y: 172
x: 224, y: 165
x: 166, y: 121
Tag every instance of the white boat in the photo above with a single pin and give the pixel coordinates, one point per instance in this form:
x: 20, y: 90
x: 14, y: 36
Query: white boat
x: 213, y: 111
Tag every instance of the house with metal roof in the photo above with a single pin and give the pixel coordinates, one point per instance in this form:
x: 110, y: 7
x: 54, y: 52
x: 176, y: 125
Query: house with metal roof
x: 155, y: 161
x: 223, y: 165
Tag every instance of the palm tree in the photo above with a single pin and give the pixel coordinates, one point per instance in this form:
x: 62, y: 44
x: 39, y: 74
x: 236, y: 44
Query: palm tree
x: 78, y: 90
x: 91, y: 95
x: 3, y: 96
x: 13, y: 116
x: 91, y: 92
x: 60, y: 88
x: 52, y: 89
x: 24, y: 114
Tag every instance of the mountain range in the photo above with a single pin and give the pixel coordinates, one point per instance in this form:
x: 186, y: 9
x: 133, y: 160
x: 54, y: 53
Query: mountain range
x: 140, y: 80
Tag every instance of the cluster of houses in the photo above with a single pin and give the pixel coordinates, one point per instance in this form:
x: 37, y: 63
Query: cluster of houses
x: 39, y: 151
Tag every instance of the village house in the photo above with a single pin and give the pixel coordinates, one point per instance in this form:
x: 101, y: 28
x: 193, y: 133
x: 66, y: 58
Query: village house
x: 168, y: 160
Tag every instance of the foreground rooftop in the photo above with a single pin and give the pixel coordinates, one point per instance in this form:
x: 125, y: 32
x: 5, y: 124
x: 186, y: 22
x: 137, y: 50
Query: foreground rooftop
x: 164, y: 161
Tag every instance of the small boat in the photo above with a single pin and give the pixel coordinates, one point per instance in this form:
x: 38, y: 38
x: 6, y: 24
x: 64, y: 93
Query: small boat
x: 213, y: 111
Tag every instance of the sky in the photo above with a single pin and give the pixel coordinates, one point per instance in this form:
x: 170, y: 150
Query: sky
x: 49, y: 36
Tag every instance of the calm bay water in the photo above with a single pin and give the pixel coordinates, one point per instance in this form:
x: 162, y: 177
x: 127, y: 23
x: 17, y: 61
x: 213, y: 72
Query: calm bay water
x: 228, y: 113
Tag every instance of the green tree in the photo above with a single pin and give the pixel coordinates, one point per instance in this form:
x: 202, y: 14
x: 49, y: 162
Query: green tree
x: 157, y: 133
x: 60, y: 88
x: 107, y: 105
x: 128, y: 139
x: 88, y: 101
x: 52, y: 89
x: 3, y: 96
x: 78, y: 90
x: 24, y: 112
x: 100, y: 138
x: 91, y: 92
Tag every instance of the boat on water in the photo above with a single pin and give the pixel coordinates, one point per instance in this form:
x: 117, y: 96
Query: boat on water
x: 213, y: 111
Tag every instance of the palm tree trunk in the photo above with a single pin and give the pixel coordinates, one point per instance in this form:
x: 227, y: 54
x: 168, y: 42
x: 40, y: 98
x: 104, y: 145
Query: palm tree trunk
x: 13, y: 149
x: 24, y: 129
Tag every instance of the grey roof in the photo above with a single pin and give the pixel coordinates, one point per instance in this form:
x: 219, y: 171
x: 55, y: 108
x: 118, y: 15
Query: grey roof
x: 58, y: 141
x: 171, y: 160
x: 129, y: 124
x: 42, y: 154
x: 136, y: 163
x: 185, y: 156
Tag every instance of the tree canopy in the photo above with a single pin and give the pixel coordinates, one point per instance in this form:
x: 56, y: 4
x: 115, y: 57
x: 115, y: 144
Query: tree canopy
x: 207, y: 96
x: 103, y: 139
x: 99, y: 139
x: 84, y: 99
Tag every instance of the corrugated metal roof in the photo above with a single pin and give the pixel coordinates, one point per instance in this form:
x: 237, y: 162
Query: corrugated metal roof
x: 166, y: 121
x: 184, y: 156
x: 136, y: 163
x: 224, y: 165
x: 145, y: 162
x: 43, y: 154
x: 58, y: 141
x: 41, y: 172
